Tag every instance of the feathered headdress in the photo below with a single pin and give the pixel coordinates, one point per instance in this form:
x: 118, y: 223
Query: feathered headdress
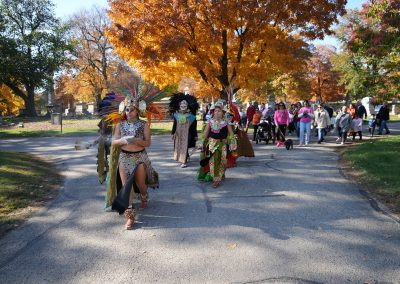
x: 177, y: 98
x: 232, y: 108
x: 113, y: 106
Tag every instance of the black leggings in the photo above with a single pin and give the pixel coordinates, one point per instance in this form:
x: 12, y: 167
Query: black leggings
x: 280, y: 135
x: 359, y: 134
x: 255, y: 131
x: 342, y: 134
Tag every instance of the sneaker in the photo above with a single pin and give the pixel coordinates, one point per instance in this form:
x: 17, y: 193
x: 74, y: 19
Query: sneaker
x: 387, y: 132
x: 341, y: 143
x: 183, y: 166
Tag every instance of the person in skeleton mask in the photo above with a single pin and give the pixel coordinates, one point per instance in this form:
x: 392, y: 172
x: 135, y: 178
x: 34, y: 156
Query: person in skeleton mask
x: 183, y: 109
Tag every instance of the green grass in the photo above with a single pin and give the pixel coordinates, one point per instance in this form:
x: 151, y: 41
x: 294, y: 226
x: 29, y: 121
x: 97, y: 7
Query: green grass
x: 394, y: 118
x: 378, y: 162
x: 160, y: 128
x: 40, y: 127
x: 25, y: 181
x: 66, y: 132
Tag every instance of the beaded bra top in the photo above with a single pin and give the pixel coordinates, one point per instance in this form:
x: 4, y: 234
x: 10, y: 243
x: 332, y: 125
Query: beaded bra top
x: 133, y: 128
x: 218, y: 130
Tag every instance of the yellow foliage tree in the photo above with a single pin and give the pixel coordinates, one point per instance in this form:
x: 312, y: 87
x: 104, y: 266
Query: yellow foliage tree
x: 93, y: 62
x: 9, y: 103
x: 219, y: 43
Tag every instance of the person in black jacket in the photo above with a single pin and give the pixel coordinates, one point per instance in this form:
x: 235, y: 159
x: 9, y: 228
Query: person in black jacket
x: 383, y: 116
x: 361, y: 112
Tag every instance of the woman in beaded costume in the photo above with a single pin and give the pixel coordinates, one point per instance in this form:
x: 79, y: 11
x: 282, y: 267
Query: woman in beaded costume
x: 129, y: 162
x: 184, y: 130
x: 218, y: 136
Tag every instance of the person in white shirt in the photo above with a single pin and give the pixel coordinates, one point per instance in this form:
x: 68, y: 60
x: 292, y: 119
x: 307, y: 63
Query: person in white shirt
x: 356, y: 127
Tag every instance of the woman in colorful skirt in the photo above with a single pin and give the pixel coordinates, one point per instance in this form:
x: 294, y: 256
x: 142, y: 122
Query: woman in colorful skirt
x: 218, y: 136
x: 131, y: 138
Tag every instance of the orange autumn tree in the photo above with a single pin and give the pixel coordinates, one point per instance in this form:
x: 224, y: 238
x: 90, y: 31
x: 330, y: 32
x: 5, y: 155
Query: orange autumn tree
x: 92, y: 62
x: 323, y: 79
x: 217, y: 42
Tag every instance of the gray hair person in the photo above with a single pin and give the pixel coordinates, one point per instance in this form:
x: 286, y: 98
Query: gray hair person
x: 342, y: 124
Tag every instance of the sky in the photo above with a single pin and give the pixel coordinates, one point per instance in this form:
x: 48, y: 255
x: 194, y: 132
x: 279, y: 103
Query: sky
x: 329, y: 40
x: 65, y: 8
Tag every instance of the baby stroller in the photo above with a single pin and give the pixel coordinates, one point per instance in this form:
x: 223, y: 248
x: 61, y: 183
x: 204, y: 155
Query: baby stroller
x: 265, y: 131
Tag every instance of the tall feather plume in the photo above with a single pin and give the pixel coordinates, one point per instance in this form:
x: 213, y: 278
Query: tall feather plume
x: 233, y: 110
x: 139, y: 91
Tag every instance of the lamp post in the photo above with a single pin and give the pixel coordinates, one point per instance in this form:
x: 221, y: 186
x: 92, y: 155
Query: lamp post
x: 49, y: 108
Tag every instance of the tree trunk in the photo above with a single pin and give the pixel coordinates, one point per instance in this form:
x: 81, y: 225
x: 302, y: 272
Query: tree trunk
x: 29, y: 97
x: 30, y: 102
x: 318, y: 98
x: 347, y: 99
x: 223, y: 62
x: 97, y: 98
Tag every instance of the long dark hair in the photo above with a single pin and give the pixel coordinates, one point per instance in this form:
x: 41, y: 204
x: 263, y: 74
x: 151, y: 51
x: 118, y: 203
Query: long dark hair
x: 282, y: 104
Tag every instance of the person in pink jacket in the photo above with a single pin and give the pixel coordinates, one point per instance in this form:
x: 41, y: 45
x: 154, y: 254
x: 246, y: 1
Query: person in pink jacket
x: 306, y: 115
x: 281, y: 118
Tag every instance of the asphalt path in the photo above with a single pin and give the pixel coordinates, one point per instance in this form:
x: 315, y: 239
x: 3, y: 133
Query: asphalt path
x: 281, y: 217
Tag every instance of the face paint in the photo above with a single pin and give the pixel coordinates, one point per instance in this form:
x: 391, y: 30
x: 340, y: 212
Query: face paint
x: 183, y: 105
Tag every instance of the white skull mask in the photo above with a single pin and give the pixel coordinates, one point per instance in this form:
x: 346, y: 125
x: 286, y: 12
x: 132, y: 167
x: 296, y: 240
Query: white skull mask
x: 183, y: 105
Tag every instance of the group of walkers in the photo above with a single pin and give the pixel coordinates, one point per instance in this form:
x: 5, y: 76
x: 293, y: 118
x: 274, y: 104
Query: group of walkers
x: 302, y: 119
x: 130, y: 171
x: 224, y: 139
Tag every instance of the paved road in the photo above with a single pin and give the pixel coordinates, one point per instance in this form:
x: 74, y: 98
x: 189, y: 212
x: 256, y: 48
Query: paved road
x: 282, y: 217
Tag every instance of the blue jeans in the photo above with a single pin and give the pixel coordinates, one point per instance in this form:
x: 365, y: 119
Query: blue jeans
x: 305, y: 127
x: 297, y: 125
x: 383, y: 125
x: 321, y: 133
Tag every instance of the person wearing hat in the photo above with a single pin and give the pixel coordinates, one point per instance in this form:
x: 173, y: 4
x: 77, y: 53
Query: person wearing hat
x: 218, y: 136
x: 131, y: 137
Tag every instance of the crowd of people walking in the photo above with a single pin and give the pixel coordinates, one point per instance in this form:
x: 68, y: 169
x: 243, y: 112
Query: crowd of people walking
x: 224, y: 138
x: 318, y: 120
